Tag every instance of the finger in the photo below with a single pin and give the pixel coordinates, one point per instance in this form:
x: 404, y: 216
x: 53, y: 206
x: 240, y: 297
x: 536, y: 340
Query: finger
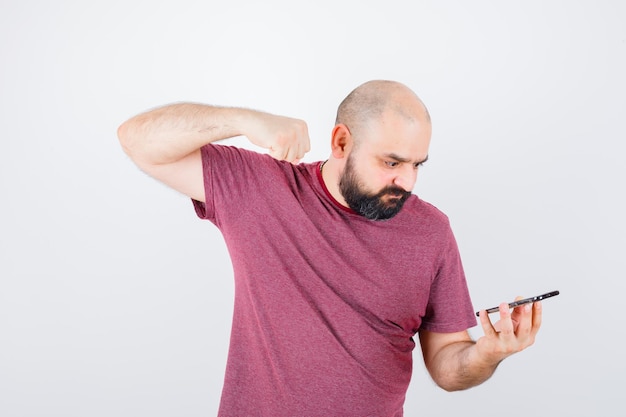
x: 486, y: 324
x: 304, y: 140
x: 506, y: 324
x: 293, y: 154
x: 537, y: 316
x: 518, y: 310
x: 279, y: 153
x: 295, y: 149
x: 496, y: 326
x: 304, y: 146
x: 307, y: 143
x: 524, y: 317
x: 517, y: 314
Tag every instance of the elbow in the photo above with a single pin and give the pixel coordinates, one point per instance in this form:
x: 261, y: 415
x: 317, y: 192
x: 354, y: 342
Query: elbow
x: 140, y: 147
x: 446, y: 382
x: 450, y: 386
x: 131, y: 141
x: 125, y: 138
x: 459, y: 380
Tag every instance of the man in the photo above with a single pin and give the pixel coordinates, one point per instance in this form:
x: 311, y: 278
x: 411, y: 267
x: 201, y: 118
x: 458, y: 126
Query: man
x: 337, y: 264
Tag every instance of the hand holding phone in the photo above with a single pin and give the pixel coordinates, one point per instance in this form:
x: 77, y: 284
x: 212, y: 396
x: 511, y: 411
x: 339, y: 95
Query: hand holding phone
x: 522, y: 302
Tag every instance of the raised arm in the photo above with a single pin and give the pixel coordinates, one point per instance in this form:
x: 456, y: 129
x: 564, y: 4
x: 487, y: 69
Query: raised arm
x: 165, y: 142
x: 456, y: 362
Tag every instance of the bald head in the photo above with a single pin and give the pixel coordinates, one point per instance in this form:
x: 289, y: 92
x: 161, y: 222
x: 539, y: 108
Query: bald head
x: 381, y: 137
x: 370, y: 100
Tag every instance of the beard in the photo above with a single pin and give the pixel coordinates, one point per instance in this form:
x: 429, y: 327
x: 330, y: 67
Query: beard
x: 382, y: 205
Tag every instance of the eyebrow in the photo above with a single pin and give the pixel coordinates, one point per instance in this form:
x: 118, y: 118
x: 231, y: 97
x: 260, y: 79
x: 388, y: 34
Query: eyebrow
x: 398, y: 158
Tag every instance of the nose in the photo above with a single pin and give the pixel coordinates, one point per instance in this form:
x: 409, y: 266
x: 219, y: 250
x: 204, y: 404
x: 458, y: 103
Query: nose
x: 406, y: 179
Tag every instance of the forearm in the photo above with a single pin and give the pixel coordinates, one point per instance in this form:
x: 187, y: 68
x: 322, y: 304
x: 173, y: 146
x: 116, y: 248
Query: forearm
x: 459, y: 366
x: 456, y: 362
x: 169, y: 133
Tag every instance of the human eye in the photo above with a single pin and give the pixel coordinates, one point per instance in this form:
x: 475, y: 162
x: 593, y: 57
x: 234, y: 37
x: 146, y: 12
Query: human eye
x: 392, y: 164
x: 419, y: 164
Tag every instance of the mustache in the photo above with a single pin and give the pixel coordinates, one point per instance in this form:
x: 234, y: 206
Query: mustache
x: 394, y: 191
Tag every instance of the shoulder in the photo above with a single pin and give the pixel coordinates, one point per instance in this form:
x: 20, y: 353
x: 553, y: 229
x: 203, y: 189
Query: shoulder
x: 423, y: 212
x: 229, y: 153
x: 260, y: 170
x: 225, y: 158
x: 422, y: 222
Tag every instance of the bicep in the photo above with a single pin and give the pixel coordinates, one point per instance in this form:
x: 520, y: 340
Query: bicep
x: 185, y: 175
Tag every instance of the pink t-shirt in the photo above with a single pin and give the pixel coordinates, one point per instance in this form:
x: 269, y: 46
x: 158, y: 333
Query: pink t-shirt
x: 326, y: 301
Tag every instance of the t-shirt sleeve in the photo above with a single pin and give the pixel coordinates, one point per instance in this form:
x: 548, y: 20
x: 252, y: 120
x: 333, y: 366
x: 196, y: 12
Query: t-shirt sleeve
x: 449, y: 307
x: 232, y: 180
x: 227, y: 172
x: 206, y: 210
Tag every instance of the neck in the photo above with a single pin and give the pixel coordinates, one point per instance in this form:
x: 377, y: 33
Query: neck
x: 330, y: 176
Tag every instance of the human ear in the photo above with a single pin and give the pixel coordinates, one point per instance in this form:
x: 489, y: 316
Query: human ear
x: 341, y: 141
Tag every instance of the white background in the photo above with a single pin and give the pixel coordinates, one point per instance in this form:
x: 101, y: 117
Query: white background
x: 116, y: 301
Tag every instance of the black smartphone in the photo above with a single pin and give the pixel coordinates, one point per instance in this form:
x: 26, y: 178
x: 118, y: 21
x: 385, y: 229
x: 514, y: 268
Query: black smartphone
x: 524, y: 301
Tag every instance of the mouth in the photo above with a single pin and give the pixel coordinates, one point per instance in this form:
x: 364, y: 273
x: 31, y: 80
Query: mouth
x: 392, y: 199
x: 394, y: 196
